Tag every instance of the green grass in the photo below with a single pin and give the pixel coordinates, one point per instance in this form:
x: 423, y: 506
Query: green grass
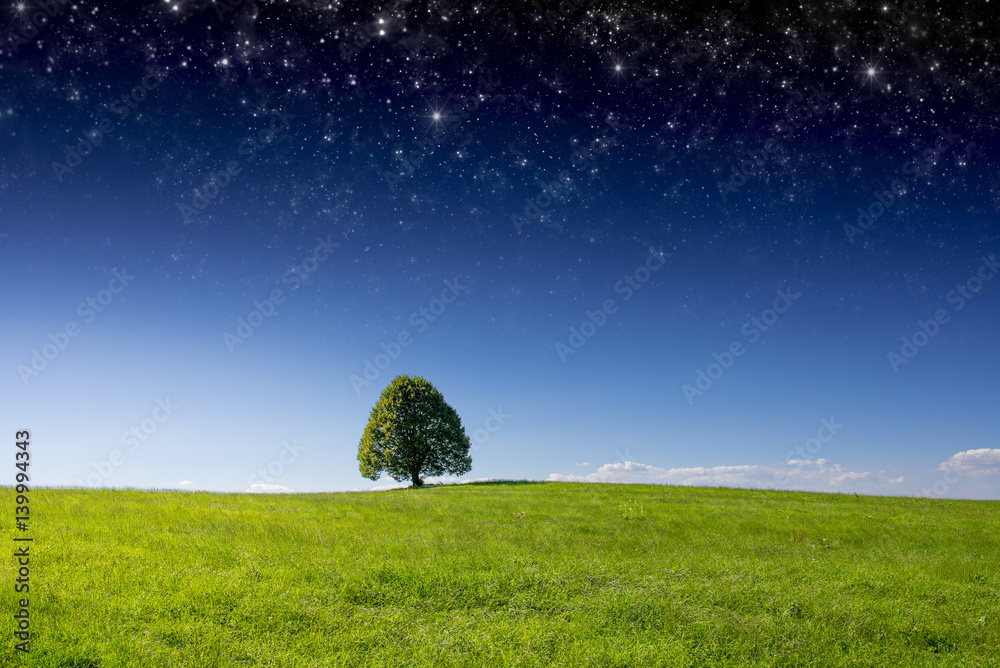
x: 510, y: 575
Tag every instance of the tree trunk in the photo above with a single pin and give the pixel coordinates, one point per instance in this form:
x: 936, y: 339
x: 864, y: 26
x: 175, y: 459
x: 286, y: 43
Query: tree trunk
x: 417, y: 482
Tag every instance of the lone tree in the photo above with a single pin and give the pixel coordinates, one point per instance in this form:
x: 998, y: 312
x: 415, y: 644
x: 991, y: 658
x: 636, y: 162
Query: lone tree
x: 412, y: 431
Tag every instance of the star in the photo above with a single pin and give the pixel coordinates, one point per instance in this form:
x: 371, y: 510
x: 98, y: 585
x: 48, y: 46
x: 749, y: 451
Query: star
x: 618, y: 69
x: 437, y: 115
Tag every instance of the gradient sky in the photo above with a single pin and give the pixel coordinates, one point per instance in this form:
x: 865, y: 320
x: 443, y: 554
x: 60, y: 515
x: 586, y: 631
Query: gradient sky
x: 214, y: 219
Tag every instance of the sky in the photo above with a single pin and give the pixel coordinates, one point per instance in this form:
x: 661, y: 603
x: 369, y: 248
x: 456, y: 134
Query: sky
x: 750, y: 244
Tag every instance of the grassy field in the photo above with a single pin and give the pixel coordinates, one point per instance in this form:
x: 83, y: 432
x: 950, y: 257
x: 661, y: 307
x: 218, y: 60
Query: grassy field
x: 510, y: 575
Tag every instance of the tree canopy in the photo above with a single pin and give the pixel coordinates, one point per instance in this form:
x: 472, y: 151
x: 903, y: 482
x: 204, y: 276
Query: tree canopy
x: 413, y: 432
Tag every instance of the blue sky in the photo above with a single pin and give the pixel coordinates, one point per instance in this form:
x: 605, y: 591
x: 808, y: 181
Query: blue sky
x: 705, y: 251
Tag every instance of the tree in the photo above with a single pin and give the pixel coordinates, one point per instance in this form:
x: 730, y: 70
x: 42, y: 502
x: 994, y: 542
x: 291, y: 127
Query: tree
x: 412, y: 431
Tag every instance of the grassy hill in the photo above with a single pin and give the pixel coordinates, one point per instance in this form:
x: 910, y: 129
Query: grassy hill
x: 510, y: 575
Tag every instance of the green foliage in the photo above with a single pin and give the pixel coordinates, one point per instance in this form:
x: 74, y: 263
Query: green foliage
x: 413, y: 432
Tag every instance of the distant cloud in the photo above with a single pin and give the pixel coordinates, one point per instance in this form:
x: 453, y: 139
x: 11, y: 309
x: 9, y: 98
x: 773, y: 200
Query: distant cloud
x: 185, y: 483
x: 582, y: 464
x: 267, y: 488
x: 821, y: 474
x: 382, y: 488
x: 974, y: 463
x: 432, y: 480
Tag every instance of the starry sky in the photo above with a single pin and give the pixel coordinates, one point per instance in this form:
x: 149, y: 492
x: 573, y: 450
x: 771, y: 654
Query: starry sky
x: 746, y: 244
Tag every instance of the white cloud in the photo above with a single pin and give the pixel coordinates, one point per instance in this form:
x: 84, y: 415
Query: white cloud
x: 582, y: 464
x: 974, y: 463
x: 821, y: 474
x: 266, y: 488
x: 382, y: 488
x: 185, y: 483
x: 432, y: 480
